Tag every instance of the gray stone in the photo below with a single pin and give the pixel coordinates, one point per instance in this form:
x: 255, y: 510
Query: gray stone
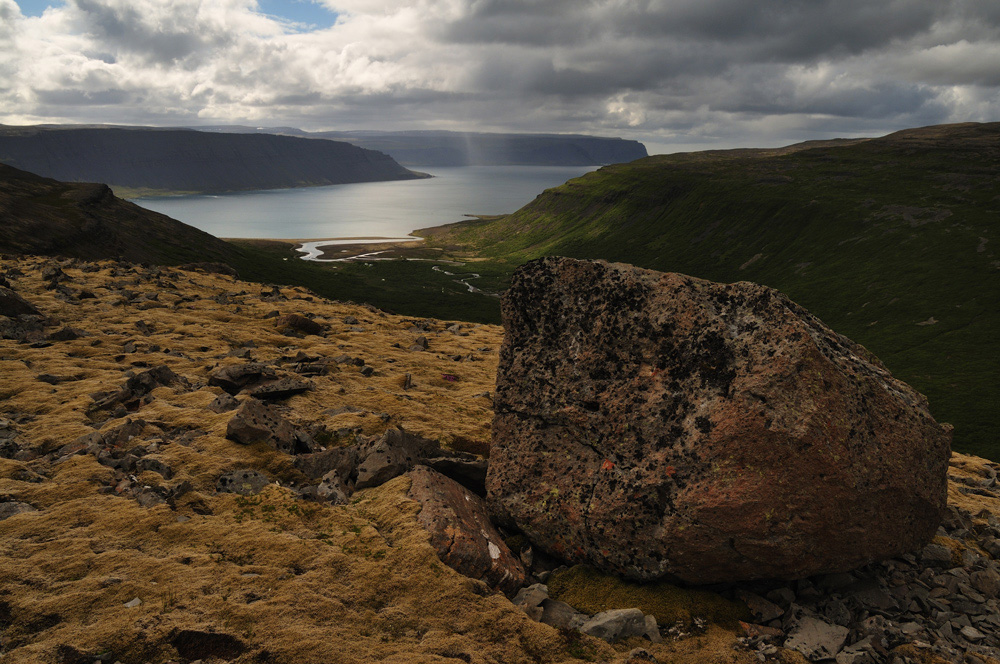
x: 652, y: 631
x: 223, y: 403
x: 532, y: 595
x: 986, y: 581
x: 616, y: 624
x: 972, y: 634
x: 257, y: 421
x: 392, y: 455
x: 333, y: 489
x: 10, y: 509
x: 131, y: 604
x: 281, y: 388
x: 936, y: 554
x: 245, y: 482
x: 561, y: 615
x: 237, y: 377
x: 762, y: 610
x: 815, y: 638
x: 857, y: 653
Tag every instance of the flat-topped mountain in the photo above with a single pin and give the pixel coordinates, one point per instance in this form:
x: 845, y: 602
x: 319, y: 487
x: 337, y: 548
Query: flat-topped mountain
x: 891, y: 241
x: 81, y: 220
x: 150, y: 160
x: 454, y: 148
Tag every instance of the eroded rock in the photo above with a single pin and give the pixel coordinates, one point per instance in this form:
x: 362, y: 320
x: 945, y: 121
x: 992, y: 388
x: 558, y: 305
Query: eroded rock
x: 654, y: 424
x: 256, y: 421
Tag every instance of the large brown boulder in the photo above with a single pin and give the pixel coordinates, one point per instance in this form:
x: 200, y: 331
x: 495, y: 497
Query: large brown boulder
x: 461, y: 533
x: 656, y: 425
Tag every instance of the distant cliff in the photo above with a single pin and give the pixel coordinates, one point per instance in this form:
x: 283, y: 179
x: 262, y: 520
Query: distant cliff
x: 450, y: 148
x: 181, y: 160
x: 43, y: 216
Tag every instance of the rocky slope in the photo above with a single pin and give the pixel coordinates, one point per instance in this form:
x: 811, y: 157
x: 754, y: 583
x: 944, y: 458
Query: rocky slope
x: 150, y: 160
x: 137, y: 527
x: 43, y: 216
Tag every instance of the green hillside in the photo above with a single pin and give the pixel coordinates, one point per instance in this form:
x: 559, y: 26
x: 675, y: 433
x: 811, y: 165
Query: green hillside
x: 891, y: 241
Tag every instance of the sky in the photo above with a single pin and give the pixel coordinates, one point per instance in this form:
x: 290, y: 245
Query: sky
x: 674, y: 74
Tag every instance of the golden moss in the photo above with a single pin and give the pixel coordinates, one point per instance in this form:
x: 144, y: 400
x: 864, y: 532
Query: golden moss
x: 592, y: 591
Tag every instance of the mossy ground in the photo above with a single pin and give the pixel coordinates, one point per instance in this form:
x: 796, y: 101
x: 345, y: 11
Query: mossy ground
x: 592, y: 591
x: 291, y: 580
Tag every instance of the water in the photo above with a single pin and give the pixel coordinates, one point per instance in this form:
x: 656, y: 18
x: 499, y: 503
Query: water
x: 369, y: 209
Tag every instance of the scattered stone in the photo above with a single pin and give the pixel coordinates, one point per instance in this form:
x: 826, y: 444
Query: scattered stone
x: 763, y: 610
x: 14, y: 508
x: 420, y: 344
x: 223, y: 403
x: 734, y: 413
x: 640, y: 656
x: 13, y: 305
x: 561, y: 615
x: 297, y: 323
x: 245, y: 482
x: 333, y: 489
x: 280, y: 389
x: 461, y: 533
x: 256, y: 421
x: 67, y: 334
x: 616, y: 624
x: 195, y: 644
x: 392, y: 455
x: 814, y: 638
x: 342, y: 460
x: 236, y: 377
x: 133, y: 603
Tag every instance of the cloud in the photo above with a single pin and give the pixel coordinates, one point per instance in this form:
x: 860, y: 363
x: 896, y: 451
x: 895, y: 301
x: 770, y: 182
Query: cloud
x: 665, y: 71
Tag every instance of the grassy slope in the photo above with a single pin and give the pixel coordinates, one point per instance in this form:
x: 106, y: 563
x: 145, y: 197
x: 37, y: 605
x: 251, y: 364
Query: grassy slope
x: 875, y: 237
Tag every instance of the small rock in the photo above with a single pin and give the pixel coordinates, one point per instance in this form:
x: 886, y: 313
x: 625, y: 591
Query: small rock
x: 256, y: 421
x: 131, y: 604
x: 333, y: 489
x: 392, y: 455
x: 237, y: 377
x: 763, y: 610
x: 298, y: 323
x: 561, y: 615
x: 615, y: 624
x: 10, y: 509
x: 986, y: 581
x: 972, y: 634
x: 280, y: 389
x: 223, y: 403
x: 245, y: 482
x: 640, y: 656
x: 815, y: 638
x: 13, y: 305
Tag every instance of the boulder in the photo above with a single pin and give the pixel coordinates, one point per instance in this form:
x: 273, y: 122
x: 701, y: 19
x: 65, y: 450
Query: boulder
x: 333, y: 489
x: 257, y: 421
x: 461, y: 533
x: 13, y: 508
x: 653, y: 425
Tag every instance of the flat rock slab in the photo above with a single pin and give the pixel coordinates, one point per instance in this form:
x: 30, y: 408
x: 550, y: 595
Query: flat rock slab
x: 656, y: 425
x: 461, y: 532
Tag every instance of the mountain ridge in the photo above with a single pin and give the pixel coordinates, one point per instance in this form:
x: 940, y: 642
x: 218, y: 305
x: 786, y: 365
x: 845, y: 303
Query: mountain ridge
x: 150, y: 160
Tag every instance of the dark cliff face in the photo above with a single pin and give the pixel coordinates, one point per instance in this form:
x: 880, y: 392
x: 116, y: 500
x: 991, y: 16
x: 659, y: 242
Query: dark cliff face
x: 184, y: 160
x: 43, y: 216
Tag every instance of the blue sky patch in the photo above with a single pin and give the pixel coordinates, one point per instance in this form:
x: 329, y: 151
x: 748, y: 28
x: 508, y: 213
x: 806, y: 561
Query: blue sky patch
x: 311, y: 15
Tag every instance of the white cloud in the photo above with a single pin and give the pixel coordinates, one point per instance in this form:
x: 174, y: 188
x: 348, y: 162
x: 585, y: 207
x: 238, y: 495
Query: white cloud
x: 662, y: 70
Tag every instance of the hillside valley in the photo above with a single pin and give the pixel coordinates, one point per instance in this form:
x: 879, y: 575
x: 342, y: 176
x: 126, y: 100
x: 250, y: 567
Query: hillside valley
x: 147, y: 161
x: 138, y: 527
